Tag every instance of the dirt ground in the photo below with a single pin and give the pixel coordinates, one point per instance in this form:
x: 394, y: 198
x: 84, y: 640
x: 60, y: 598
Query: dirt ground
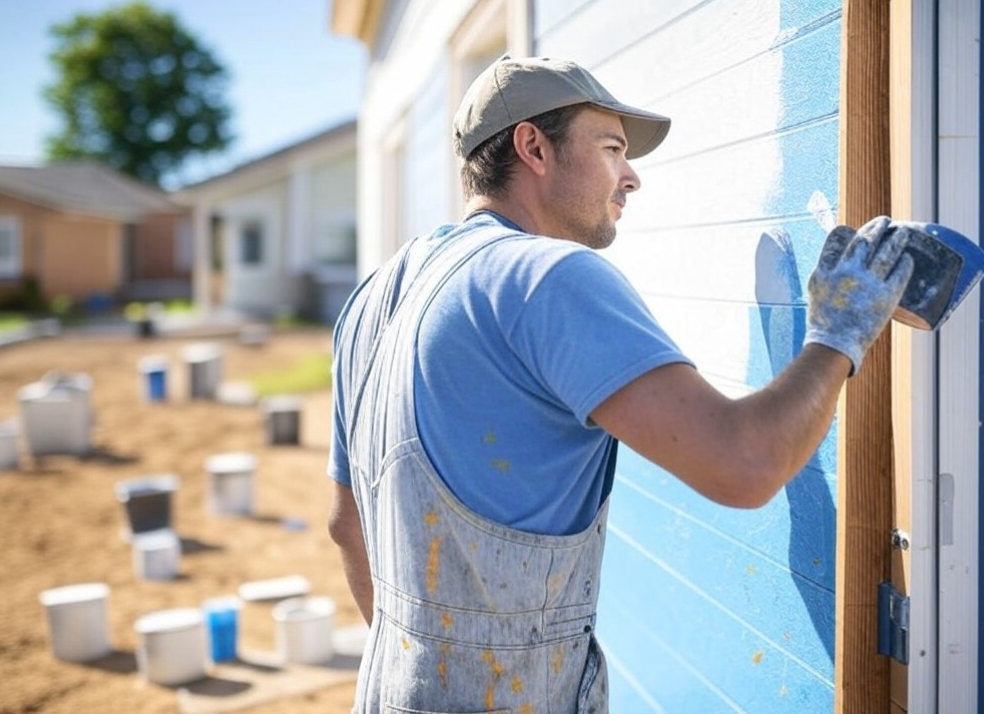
x: 61, y: 524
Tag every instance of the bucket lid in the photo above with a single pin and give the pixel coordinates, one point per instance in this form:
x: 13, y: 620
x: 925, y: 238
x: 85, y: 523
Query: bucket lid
x: 201, y: 352
x: 233, y: 462
x: 181, y: 618
x: 81, y: 592
x: 304, y: 608
x: 162, y: 539
x: 152, y: 363
x: 146, y: 485
x: 282, y: 403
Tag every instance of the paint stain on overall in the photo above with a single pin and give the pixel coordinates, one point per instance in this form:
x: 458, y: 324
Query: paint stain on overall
x: 405, y: 643
x: 447, y: 620
x: 497, y: 671
x: 433, y: 565
x: 502, y: 465
x: 557, y: 660
x: 758, y: 657
x: 442, y: 664
x: 516, y: 685
x: 525, y: 709
x: 490, y: 437
x: 430, y: 519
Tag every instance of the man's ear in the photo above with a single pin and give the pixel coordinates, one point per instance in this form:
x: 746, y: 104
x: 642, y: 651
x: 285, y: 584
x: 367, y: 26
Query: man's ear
x: 532, y: 147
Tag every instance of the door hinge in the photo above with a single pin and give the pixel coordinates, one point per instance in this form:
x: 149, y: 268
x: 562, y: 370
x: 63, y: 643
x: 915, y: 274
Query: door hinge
x: 893, y: 623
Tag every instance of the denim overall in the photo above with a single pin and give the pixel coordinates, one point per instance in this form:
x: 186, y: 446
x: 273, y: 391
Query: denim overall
x: 470, y: 616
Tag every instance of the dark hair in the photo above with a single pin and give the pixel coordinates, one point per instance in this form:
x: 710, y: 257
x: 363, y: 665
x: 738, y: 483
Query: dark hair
x: 487, y: 170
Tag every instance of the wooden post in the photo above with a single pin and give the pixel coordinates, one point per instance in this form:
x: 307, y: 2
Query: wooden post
x: 864, y: 489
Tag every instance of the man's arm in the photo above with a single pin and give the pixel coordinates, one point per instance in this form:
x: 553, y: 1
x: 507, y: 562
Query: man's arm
x: 737, y: 452
x: 345, y: 529
x: 740, y: 452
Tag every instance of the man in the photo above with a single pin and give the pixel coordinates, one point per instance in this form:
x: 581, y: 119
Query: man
x: 484, y: 375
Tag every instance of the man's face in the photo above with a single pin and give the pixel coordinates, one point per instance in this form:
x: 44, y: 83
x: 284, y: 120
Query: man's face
x: 593, y: 179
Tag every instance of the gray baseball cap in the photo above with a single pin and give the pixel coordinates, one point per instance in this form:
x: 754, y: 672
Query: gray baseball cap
x: 512, y: 90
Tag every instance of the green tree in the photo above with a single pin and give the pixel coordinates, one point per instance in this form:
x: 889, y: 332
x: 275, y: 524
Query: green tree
x: 137, y: 91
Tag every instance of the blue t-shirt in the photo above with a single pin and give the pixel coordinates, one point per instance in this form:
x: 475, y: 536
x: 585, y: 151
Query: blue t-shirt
x: 514, y: 352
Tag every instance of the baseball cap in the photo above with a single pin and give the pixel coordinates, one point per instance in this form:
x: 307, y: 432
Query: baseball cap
x: 512, y: 90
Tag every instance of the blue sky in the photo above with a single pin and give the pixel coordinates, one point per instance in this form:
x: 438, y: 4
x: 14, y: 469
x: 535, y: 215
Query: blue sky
x: 290, y: 77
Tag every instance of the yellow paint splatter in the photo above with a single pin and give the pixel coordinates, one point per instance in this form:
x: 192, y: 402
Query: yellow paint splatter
x: 557, y: 661
x: 442, y: 669
x: 502, y: 465
x: 433, y: 565
x: 490, y: 437
x: 758, y: 657
x: 490, y: 696
x: 430, y: 518
x: 516, y: 685
x: 751, y: 570
x: 405, y: 643
x: 447, y: 620
x: 525, y: 709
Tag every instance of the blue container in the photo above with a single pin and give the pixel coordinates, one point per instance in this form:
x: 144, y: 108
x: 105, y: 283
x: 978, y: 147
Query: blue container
x: 154, y: 369
x: 222, y: 623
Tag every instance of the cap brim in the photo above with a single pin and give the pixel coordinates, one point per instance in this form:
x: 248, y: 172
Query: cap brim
x: 643, y: 130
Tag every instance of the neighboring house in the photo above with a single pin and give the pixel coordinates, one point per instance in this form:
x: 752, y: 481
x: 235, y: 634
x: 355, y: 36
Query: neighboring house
x: 704, y: 608
x: 85, y: 231
x: 277, y: 236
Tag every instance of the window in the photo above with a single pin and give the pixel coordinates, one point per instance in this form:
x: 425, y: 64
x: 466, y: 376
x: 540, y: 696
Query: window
x: 251, y: 243
x: 10, y: 247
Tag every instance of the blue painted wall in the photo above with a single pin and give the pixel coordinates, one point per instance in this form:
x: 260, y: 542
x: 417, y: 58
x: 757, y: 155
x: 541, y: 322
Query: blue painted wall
x: 704, y: 608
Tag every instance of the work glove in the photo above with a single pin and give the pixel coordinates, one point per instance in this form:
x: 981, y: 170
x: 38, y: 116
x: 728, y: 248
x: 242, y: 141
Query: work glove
x: 856, y: 286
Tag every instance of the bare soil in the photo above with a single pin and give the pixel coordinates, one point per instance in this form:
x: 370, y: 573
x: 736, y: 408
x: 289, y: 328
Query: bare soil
x: 61, y: 524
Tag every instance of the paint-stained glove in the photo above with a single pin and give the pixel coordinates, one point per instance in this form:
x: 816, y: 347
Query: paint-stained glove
x: 856, y: 286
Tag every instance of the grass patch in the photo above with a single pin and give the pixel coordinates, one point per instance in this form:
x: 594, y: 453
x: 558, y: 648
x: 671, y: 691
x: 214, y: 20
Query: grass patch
x: 307, y: 375
x: 12, y: 321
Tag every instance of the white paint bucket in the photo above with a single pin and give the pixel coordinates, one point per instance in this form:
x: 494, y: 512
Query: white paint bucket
x: 78, y: 621
x: 282, y: 418
x: 204, y: 369
x: 157, y: 554
x: 146, y: 502
x: 9, y: 458
x: 305, y: 628
x: 231, y: 483
x: 172, y: 646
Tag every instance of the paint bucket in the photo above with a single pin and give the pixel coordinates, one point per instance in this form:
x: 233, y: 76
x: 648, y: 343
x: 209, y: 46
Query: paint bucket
x: 146, y: 502
x: 8, y: 445
x: 157, y: 554
x: 154, y: 370
x: 172, y: 646
x: 231, y: 483
x: 78, y: 621
x: 55, y: 414
x: 222, y: 623
x: 204, y: 370
x: 947, y: 266
x: 305, y: 628
x: 282, y: 419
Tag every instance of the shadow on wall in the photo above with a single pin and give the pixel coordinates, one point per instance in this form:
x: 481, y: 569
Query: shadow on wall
x: 812, y: 512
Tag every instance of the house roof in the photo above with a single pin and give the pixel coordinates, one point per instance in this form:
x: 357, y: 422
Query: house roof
x: 85, y: 187
x: 336, y: 133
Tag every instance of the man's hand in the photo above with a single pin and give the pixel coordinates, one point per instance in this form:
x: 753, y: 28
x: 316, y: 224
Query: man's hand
x: 856, y: 286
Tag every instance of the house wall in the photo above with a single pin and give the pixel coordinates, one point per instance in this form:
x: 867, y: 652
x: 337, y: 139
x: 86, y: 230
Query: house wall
x: 157, y: 250
x: 77, y: 256
x: 705, y: 608
x: 259, y: 288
